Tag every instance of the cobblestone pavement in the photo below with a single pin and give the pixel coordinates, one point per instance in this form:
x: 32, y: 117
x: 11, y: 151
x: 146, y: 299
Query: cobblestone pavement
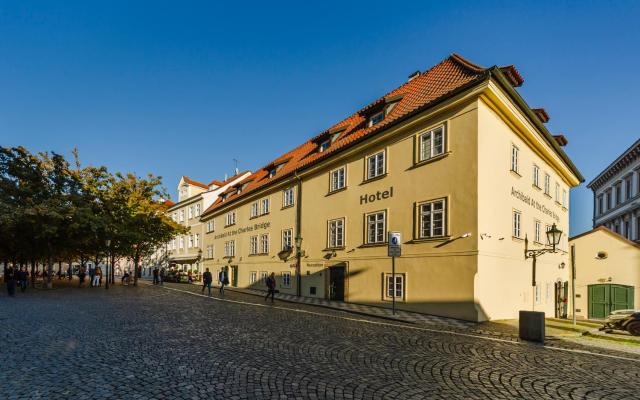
x: 151, y: 342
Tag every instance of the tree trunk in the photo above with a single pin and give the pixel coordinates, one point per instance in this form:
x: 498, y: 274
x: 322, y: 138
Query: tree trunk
x: 49, y: 273
x: 136, y: 260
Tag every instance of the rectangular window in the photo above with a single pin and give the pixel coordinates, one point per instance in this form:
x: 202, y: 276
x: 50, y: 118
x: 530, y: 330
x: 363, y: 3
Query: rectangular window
x: 181, y: 215
x: 286, y: 279
x: 175, y: 217
x: 547, y: 184
x: 181, y: 242
x: 255, y: 209
x: 210, y: 226
x: 338, y: 179
x: 376, y: 227
x: 600, y: 204
x: 253, y: 277
x: 190, y: 209
x: 253, y: 245
x: 336, y: 233
x: 607, y: 197
x: 375, y: 165
x: 324, y: 145
x: 432, y: 219
x: 537, y: 233
x: 396, y: 287
x: 536, y: 176
x: 263, y: 277
x: 287, y: 197
x: 190, y: 241
x: 627, y: 187
x: 197, y: 210
x: 264, y: 244
x: 514, y: 158
x: 196, y: 240
x: 210, y: 251
x: 230, y: 218
x: 618, y: 189
x: 230, y: 248
x: 265, y: 206
x: 517, y: 217
x: 547, y: 228
x: 376, y: 118
x: 432, y: 143
x: 564, y: 197
x: 287, y: 239
x: 557, y: 192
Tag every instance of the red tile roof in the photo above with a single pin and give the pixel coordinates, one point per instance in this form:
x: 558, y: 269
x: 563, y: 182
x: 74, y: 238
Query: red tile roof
x: 168, y: 203
x: 542, y: 114
x: 424, y: 90
x: 195, y: 183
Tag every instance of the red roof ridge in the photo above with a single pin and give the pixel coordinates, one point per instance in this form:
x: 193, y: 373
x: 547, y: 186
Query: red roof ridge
x: 466, y: 63
x: 194, y: 182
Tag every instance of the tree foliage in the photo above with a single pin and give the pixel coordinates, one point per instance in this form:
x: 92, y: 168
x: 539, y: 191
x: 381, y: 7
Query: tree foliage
x: 52, y: 210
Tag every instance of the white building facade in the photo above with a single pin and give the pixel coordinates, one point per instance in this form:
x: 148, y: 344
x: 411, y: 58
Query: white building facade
x: 616, y: 193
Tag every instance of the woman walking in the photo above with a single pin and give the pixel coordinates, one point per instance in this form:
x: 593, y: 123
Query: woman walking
x: 271, y: 287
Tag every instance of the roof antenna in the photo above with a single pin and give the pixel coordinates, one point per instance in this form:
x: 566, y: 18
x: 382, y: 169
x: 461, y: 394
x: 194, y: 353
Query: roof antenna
x: 235, y: 169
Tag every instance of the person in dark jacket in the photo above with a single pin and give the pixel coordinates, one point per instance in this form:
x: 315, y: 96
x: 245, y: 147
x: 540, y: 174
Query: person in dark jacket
x: 223, y: 280
x: 271, y: 287
x: 156, y: 280
x: 10, y: 278
x: 23, y: 279
x: 207, y: 278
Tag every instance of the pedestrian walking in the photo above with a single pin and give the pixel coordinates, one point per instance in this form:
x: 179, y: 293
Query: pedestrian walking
x: 92, y: 274
x: 207, y: 278
x: 10, y: 279
x: 23, y: 279
x: 97, y: 276
x: 223, y: 280
x: 69, y: 272
x: 162, y: 275
x: 125, y: 278
x: 271, y: 287
x: 81, y: 276
x: 189, y: 276
x: 156, y: 279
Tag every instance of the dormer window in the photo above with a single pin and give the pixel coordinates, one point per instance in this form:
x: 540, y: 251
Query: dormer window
x: 324, y: 145
x: 272, y: 172
x: 376, y: 118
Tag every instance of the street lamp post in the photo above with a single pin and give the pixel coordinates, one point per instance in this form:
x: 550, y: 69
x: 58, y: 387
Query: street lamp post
x: 108, y: 243
x: 298, y: 261
x: 553, y: 237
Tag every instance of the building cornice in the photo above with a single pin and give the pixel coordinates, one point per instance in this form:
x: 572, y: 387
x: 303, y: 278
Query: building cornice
x: 624, y: 160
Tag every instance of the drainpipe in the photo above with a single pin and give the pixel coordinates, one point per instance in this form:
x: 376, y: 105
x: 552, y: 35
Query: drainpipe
x: 298, y: 235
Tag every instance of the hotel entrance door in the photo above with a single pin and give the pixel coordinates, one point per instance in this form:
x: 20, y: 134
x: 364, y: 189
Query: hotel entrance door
x: 336, y: 282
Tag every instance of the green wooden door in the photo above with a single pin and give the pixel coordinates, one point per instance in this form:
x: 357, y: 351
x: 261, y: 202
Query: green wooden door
x: 234, y: 275
x: 603, y: 299
x: 599, y: 301
x: 621, y: 297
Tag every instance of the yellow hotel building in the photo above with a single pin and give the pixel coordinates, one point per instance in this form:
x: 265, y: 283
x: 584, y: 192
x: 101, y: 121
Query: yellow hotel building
x: 454, y: 160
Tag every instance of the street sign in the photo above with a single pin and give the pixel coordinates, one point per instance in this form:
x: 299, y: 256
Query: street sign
x: 394, y: 244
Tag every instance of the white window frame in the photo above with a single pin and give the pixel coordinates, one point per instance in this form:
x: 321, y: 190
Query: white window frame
x: 190, y: 242
x: 255, y: 209
x: 427, y: 216
x: 433, y: 150
x: 537, y: 233
x: 253, y: 245
x: 230, y: 218
x: 230, y: 248
x: 379, y: 227
x: 287, y: 239
x: 198, y: 210
x: 516, y: 224
x: 182, y: 215
x: 557, y: 193
x: 264, y: 243
x: 181, y: 242
x: 253, y: 277
x: 265, y: 205
x: 196, y: 240
x: 515, y: 155
x: 263, y: 277
x: 564, y: 198
x: 379, y: 164
x: 372, y: 119
x: 286, y: 279
x: 338, y: 179
x: 190, y: 212
x: 547, y: 228
x: 324, y: 145
x: 536, y: 176
x: 288, y: 199
x: 547, y: 184
x: 335, y: 233
x: 399, y: 289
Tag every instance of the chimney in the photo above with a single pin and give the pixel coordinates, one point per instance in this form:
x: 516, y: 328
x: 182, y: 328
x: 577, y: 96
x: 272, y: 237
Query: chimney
x: 413, y: 76
x: 225, y: 177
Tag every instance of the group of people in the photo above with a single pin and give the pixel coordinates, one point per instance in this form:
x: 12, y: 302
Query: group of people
x: 13, y: 278
x: 158, y: 276
x: 223, y: 280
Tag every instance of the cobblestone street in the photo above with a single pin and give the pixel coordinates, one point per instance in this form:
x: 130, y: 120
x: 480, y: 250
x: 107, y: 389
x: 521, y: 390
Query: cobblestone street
x: 151, y: 342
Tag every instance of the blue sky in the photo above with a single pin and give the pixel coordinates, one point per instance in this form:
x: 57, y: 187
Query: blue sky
x: 184, y: 87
